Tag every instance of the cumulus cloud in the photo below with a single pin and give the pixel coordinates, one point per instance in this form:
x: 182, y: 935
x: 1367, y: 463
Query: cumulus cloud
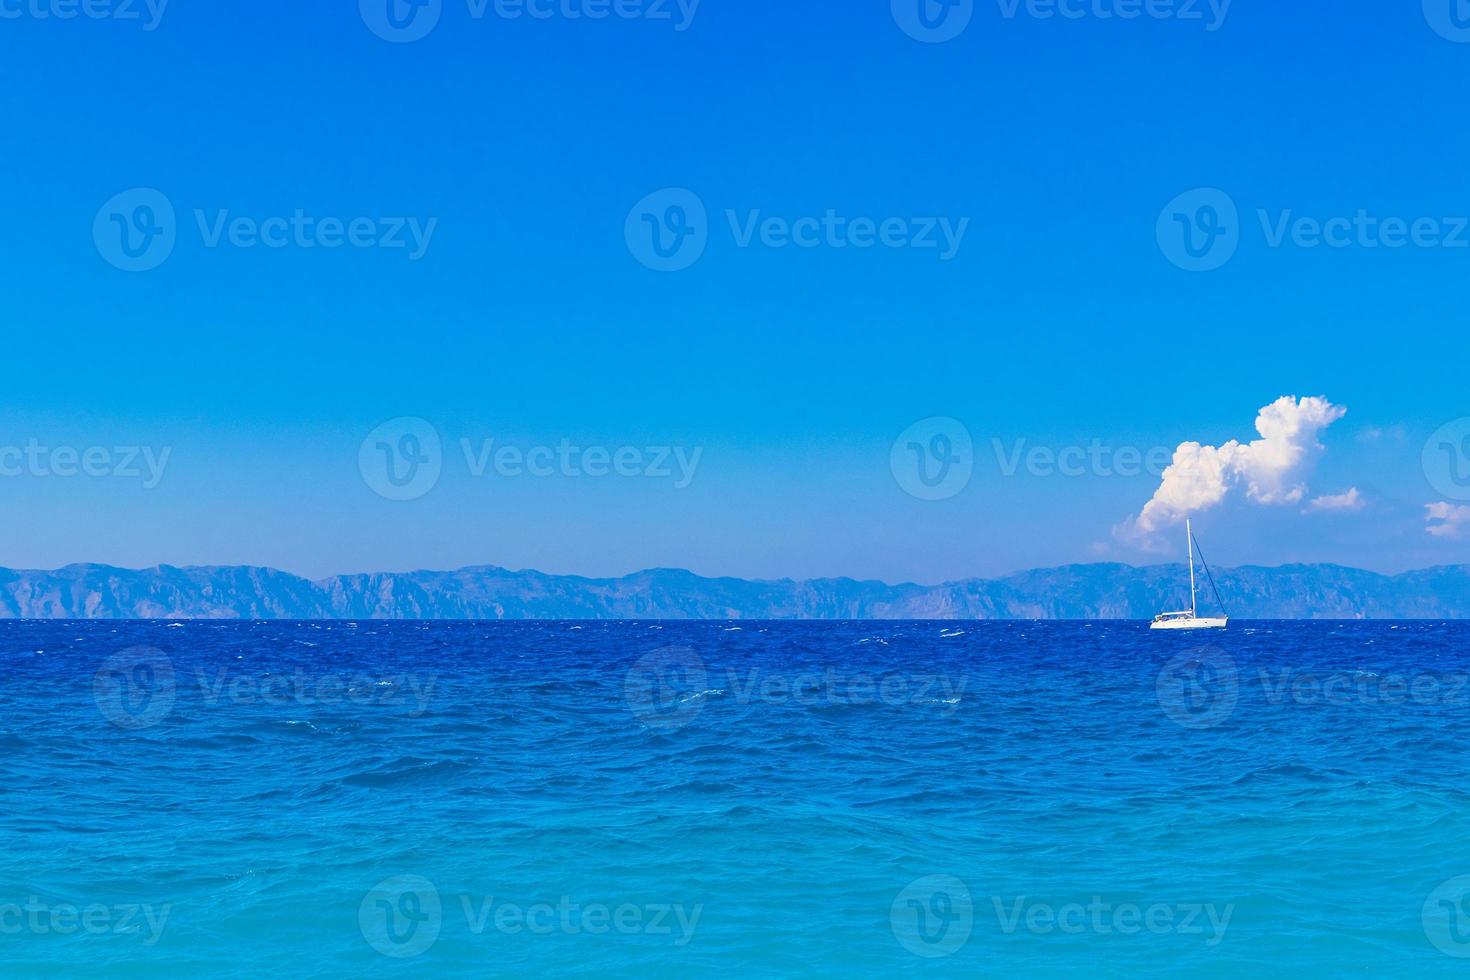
x: 1271, y: 468
x: 1350, y: 500
x: 1447, y: 521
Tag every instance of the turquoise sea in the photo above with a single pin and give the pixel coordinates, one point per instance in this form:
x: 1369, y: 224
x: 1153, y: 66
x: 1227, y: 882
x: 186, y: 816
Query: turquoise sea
x: 765, y: 799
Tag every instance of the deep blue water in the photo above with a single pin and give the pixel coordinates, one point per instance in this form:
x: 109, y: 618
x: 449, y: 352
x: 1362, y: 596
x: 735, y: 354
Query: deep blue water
x: 993, y: 799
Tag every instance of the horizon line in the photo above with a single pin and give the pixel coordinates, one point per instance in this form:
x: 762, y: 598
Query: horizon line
x: 686, y: 571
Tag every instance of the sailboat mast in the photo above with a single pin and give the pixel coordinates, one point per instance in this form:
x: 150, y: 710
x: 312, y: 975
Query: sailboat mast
x: 1193, y: 603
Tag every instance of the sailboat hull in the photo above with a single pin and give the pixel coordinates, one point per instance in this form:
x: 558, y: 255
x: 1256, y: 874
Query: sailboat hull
x: 1190, y: 623
x: 1190, y: 619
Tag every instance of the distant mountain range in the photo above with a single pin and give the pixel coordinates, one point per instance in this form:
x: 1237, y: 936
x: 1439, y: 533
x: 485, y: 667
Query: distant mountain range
x: 1097, y: 591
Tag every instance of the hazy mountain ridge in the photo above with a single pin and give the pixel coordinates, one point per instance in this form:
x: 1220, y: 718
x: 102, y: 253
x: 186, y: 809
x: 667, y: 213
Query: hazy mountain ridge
x: 1098, y: 591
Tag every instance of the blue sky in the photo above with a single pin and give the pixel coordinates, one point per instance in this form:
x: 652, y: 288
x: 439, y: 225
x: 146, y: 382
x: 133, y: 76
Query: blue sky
x: 1060, y: 319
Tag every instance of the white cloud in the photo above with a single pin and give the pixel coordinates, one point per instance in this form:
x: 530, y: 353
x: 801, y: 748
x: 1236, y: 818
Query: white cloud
x: 1374, y: 433
x: 1453, y: 521
x: 1351, y: 500
x: 1271, y: 468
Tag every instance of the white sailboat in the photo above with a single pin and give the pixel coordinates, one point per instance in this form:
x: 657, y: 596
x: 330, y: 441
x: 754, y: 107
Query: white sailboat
x: 1190, y: 619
